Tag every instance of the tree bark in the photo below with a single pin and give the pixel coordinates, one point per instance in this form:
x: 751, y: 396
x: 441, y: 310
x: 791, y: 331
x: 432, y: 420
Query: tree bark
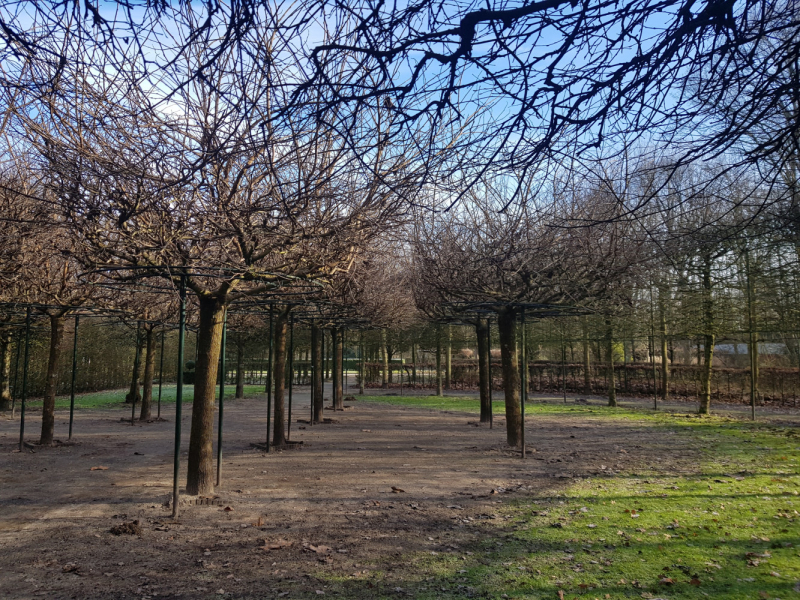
x: 385, y: 359
x: 133, y: 391
x: 279, y: 376
x: 5, y: 370
x: 338, y: 397
x: 201, y: 472
x: 662, y: 313
x: 414, y: 364
x: 239, y: 370
x: 587, y: 376
x: 481, y: 328
x: 149, y: 369
x: 612, y: 388
x: 448, y: 359
x: 363, y: 373
x: 325, y: 350
x: 317, y: 386
x: 51, y: 382
x: 506, y: 323
x: 708, y: 350
x: 439, y: 390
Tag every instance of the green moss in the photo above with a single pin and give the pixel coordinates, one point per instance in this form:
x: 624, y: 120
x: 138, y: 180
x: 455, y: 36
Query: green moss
x: 729, y: 531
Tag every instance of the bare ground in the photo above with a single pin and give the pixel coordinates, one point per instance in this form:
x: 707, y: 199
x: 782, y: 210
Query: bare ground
x: 295, y: 524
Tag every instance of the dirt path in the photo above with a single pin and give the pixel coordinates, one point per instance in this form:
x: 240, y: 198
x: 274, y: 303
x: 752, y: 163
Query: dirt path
x: 328, y: 511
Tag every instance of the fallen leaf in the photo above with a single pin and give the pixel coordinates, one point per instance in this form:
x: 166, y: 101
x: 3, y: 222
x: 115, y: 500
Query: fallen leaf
x: 101, y: 468
x: 397, y: 490
x: 694, y: 581
x: 227, y: 509
x: 318, y: 549
x: 666, y: 581
x: 277, y: 545
x: 560, y: 594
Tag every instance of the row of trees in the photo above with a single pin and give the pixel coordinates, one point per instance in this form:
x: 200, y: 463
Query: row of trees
x: 396, y: 163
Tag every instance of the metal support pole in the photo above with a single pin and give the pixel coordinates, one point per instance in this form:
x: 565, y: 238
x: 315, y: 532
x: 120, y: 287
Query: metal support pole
x: 653, y: 350
x: 179, y: 399
x: 752, y: 339
x: 24, y: 378
x: 563, y: 367
x: 335, y: 374
x: 161, y: 372
x: 524, y: 382
x: 221, y: 394
x: 291, y: 374
x: 136, y: 360
x: 313, y: 371
x: 269, y: 378
x: 362, y: 370
x: 489, y: 358
x: 74, y: 373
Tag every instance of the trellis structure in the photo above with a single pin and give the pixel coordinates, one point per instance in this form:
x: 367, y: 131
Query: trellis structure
x: 525, y: 312
x: 18, y: 309
x: 163, y: 279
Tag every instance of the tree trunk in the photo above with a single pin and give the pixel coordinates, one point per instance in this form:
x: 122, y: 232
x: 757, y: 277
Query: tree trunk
x: 506, y: 323
x: 587, y: 376
x: 363, y: 368
x: 708, y: 350
x: 239, y: 370
x: 201, y: 473
x: 448, y: 359
x: 149, y: 369
x: 612, y: 388
x: 385, y: 359
x: 414, y: 365
x: 338, y: 401
x: 662, y: 313
x: 279, y: 376
x: 5, y: 370
x: 481, y: 329
x: 325, y: 350
x: 317, y: 387
x: 133, y: 391
x: 439, y: 390
x: 51, y: 382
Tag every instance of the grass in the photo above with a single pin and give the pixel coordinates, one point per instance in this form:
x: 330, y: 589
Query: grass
x: 459, y: 403
x: 729, y: 530
x: 116, y: 398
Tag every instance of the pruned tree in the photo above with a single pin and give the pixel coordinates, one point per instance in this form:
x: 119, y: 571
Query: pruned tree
x: 202, y: 192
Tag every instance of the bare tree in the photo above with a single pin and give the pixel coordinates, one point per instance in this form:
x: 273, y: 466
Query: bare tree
x: 203, y: 192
